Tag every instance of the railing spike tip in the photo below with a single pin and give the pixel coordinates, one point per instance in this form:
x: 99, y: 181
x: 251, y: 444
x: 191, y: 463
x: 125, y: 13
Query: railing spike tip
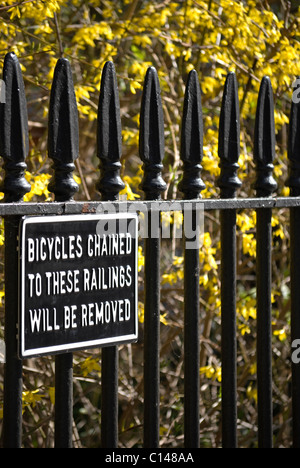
x: 109, y: 135
x: 191, y: 183
x: 229, y: 138
x: 151, y: 141
x: 293, y: 181
x: 14, y: 141
x: 63, y: 131
x: 264, y: 140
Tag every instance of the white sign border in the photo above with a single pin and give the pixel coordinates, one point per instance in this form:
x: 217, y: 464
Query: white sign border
x: 70, y: 347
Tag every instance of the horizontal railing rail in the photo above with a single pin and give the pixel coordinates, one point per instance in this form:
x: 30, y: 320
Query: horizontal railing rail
x: 81, y: 207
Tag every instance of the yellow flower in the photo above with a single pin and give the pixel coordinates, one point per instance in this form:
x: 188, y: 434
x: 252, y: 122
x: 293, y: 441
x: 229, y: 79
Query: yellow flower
x: 251, y: 393
x: 51, y: 391
x: 141, y: 315
x: 281, y: 334
x: 170, y: 278
x: 163, y: 319
x: 141, y: 312
x: 244, y: 329
x: 246, y: 222
x: 204, y: 279
x: 178, y: 260
x: 130, y: 195
x: 87, y: 35
x: 39, y: 185
x: 134, y: 85
x: 89, y: 365
x: 141, y: 258
x: 253, y: 368
x: 249, y: 244
x: 209, y: 84
x: 143, y: 40
x: 2, y: 232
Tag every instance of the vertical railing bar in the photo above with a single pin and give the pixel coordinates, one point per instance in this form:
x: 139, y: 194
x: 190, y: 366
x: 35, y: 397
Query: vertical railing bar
x: 63, y: 148
x: 13, y: 380
x: 63, y: 400
x: 109, y: 150
x: 294, y: 183
x: 228, y: 328
x: 191, y: 185
x: 13, y: 149
x: 265, y: 185
x: 229, y: 150
x: 109, y: 402
x: 151, y: 147
x: 295, y: 315
x: 191, y: 342
x: 264, y: 334
x: 152, y: 338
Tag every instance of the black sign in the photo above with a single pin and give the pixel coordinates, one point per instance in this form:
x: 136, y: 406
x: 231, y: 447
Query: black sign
x: 78, y: 282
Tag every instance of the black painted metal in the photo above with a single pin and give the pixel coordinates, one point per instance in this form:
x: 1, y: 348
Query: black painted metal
x: 152, y: 153
x: 191, y: 183
x: 229, y: 150
x: 13, y: 149
x: 265, y: 185
x: 209, y: 204
x: 294, y: 183
x: 63, y: 138
x: 14, y: 132
x: 63, y: 148
x: 109, y: 148
x: 229, y: 139
x: 191, y: 186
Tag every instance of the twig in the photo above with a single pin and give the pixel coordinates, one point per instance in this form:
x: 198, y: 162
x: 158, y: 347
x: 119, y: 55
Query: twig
x: 8, y: 7
x: 61, y: 49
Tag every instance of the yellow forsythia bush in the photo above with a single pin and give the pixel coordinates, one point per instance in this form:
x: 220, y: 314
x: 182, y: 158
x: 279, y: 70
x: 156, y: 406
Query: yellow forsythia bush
x: 251, y: 38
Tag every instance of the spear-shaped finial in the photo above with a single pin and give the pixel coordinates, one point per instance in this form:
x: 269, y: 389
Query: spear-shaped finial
x: 264, y: 140
x: 294, y: 146
x: 14, y: 131
x: 109, y: 135
x: 151, y: 143
x: 63, y: 137
x: 229, y: 138
x: 192, y: 139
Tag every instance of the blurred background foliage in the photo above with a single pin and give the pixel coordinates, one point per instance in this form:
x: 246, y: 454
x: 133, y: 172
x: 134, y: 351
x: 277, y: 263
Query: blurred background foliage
x: 251, y: 38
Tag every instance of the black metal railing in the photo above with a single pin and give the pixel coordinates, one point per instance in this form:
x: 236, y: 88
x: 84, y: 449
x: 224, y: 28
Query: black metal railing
x: 63, y: 150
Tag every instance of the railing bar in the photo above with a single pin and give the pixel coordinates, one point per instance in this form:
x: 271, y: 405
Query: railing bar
x: 191, y: 346
x: 63, y: 400
x: 229, y: 150
x: 295, y: 317
x: 293, y: 182
x: 63, y: 114
x: 264, y: 333
x: 109, y: 405
x: 151, y: 150
x: 12, y: 408
x: 228, y: 318
x: 265, y: 185
x: 152, y: 341
x: 191, y: 184
x: 14, y: 146
x: 109, y: 149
